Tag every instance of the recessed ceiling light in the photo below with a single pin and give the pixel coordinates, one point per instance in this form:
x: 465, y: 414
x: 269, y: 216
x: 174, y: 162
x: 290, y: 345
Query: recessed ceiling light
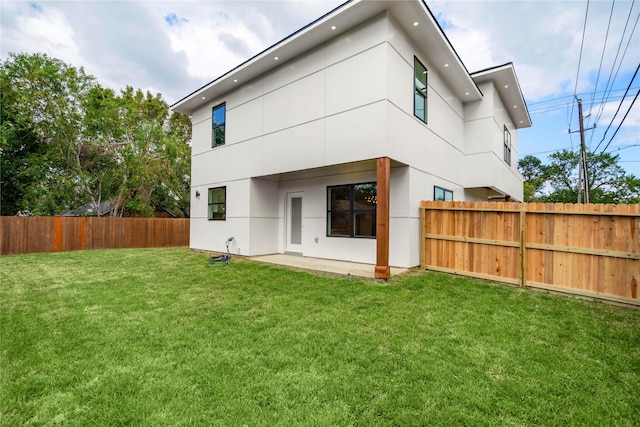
x: 235, y: 80
x: 276, y: 58
x: 204, y: 97
x: 446, y: 65
x: 521, y: 121
x: 415, y: 24
x: 506, y: 86
x: 515, y: 106
x: 466, y: 93
x: 333, y: 27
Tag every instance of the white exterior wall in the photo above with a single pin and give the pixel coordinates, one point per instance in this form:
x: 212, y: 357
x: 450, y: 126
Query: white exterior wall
x: 484, y: 164
x: 321, y: 120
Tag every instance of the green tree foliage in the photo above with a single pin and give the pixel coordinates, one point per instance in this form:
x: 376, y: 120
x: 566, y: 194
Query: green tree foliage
x: 558, y: 181
x: 67, y: 142
x: 534, y: 175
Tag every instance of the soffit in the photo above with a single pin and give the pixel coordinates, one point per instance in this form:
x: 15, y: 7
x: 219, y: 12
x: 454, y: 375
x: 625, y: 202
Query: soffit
x: 506, y: 83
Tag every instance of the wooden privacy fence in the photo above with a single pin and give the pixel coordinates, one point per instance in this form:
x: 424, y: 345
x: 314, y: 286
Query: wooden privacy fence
x: 20, y: 235
x: 589, y: 250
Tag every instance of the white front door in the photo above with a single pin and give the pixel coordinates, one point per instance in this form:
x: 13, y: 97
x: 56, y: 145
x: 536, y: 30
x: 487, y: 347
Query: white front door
x: 293, y: 235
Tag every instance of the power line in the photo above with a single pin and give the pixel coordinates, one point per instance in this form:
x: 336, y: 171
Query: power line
x: 604, y: 48
x: 529, y: 104
x: 584, y: 30
x: 622, y: 121
x: 619, y: 106
x: 605, y: 97
x: 557, y: 107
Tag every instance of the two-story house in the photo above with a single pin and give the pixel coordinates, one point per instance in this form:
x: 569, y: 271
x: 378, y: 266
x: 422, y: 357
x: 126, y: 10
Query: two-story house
x: 325, y: 143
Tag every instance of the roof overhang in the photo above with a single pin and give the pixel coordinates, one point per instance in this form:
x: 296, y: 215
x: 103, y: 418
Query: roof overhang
x: 427, y: 34
x: 506, y: 83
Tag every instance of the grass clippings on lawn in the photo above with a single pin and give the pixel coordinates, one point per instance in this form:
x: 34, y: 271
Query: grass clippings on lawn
x: 152, y: 337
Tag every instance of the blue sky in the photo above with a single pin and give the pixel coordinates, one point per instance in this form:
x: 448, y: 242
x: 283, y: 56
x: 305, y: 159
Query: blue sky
x: 175, y: 47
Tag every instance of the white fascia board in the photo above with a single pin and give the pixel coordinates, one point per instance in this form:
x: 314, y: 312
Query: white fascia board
x: 506, y: 83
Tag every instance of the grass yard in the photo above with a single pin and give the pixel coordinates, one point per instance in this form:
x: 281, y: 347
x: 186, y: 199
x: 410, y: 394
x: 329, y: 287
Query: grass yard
x: 151, y: 337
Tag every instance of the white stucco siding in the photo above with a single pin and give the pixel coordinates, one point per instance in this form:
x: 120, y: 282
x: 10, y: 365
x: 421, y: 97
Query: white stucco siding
x: 489, y: 170
x: 200, y: 133
x: 210, y: 235
x: 266, y: 217
x: 412, y: 142
x: 356, y: 134
x: 356, y: 81
x: 299, y: 102
x: 244, y: 121
x: 359, y: 39
x: 298, y: 147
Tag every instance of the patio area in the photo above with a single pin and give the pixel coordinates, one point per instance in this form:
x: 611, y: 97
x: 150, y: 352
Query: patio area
x: 319, y: 265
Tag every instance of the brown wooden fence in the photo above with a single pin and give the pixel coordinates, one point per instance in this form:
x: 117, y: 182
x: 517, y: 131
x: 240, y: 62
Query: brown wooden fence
x: 20, y: 235
x: 589, y: 250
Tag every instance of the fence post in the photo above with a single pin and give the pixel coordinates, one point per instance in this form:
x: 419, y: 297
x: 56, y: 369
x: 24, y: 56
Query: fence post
x: 423, y: 246
x: 523, y: 245
x: 83, y: 231
x: 57, y: 234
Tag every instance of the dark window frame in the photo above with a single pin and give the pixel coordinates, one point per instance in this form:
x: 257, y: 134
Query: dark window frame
x: 444, y: 194
x: 216, y: 126
x: 507, y: 145
x: 352, y: 212
x: 211, y: 217
x: 417, y: 91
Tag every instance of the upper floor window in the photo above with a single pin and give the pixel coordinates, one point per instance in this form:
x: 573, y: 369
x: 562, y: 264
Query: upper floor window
x: 218, y: 203
x: 507, y: 145
x: 218, y: 118
x: 420, y: 92
x: 351, y: 210
x: 441, y: 194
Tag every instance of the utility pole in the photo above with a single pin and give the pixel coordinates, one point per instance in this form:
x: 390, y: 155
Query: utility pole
x: 583, y: 176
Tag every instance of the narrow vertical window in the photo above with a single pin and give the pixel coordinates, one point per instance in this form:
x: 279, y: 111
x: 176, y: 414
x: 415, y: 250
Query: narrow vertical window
x: 218, y: 203
x: 218, y: 118
x: 507, y: 145
x: 420, y: 91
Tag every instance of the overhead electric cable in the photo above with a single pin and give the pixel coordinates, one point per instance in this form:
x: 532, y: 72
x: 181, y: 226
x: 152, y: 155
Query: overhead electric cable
x: 619, y: 106
x: 584, y: 30
x: 621, y: 121
x: 604, y: 48
x: 610, y: 80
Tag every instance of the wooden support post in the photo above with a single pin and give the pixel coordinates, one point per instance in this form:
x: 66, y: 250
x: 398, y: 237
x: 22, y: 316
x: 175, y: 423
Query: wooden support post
x: 383, y: 172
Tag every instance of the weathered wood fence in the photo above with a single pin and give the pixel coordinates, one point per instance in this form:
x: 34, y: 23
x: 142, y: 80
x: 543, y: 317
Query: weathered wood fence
x: 588, y: 250
x: 20, y: 235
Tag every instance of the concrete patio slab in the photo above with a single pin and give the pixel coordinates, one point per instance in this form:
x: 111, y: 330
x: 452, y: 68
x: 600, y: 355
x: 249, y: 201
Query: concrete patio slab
x: 342, y: 268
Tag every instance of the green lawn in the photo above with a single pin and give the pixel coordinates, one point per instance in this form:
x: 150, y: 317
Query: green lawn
x: 151, y: 337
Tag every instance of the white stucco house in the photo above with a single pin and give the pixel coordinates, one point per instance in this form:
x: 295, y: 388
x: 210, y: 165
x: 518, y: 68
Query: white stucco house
x: 325, y: 143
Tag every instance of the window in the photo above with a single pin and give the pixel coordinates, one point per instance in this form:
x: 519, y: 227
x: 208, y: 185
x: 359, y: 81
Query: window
x: 507, y: 145
x: 351, y: 210
x: 218, y: 203
x: 218, y: 118
x: 420, y: 92
x: 441, y: 194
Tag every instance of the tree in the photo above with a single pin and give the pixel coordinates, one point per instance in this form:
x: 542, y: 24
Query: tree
x: 41, y: 117
x: 608, y: 182
x: 67, y: 142
x: 534, y: 174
